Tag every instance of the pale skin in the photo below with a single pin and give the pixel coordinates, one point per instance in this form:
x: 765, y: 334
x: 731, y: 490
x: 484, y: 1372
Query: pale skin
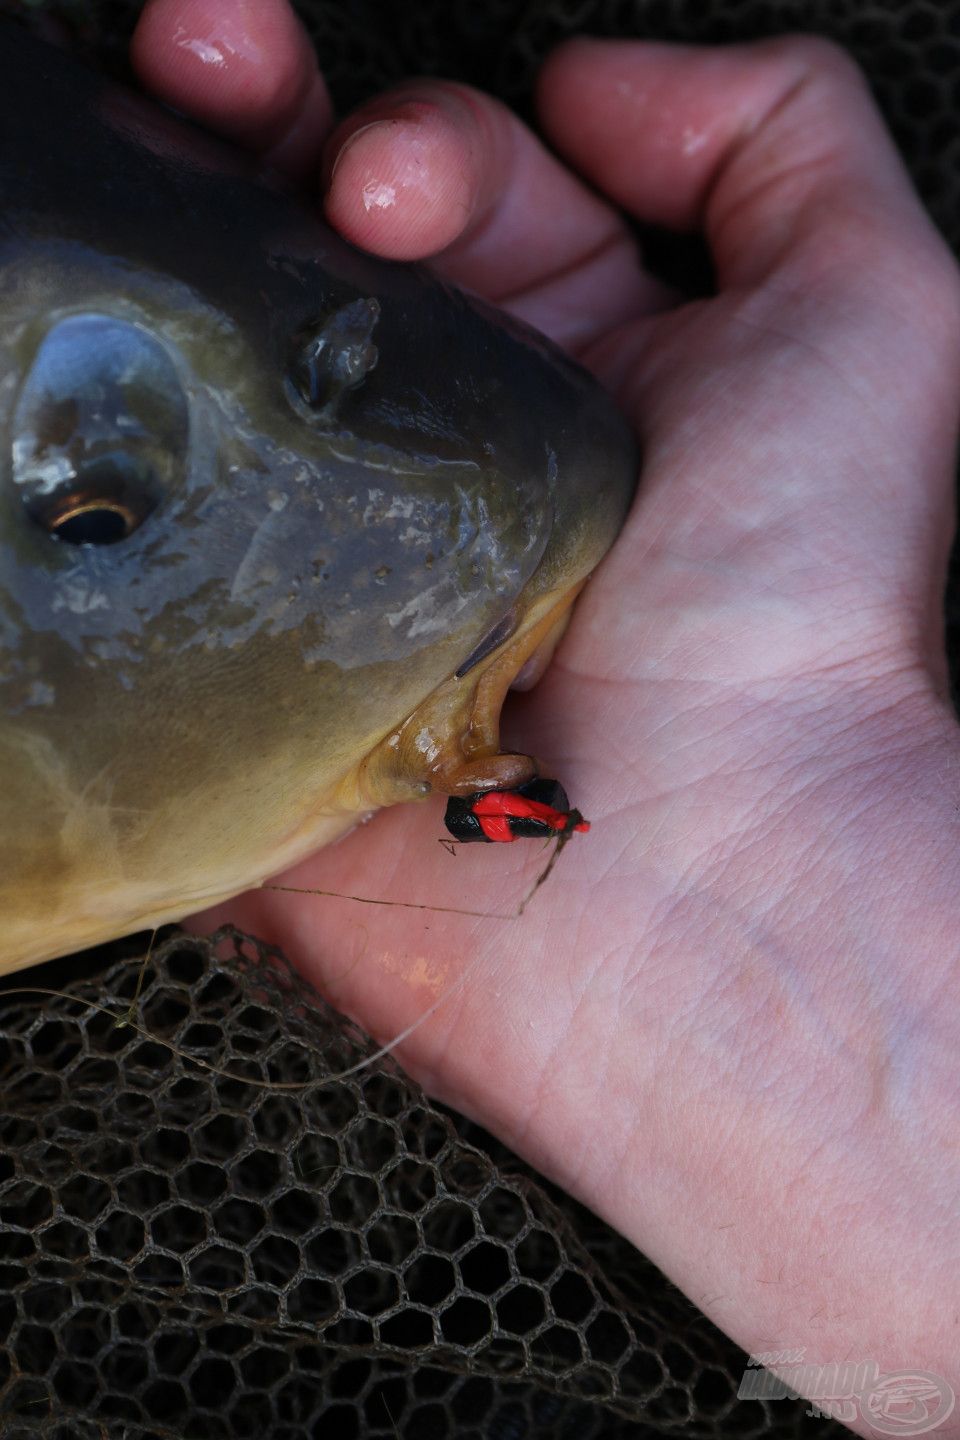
x: 729, y: 1022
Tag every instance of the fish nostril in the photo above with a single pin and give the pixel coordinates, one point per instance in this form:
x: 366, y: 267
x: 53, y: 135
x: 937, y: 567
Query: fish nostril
x: 332, y: 357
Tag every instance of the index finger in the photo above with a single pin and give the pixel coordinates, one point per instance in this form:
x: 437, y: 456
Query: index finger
x: 436, y: 169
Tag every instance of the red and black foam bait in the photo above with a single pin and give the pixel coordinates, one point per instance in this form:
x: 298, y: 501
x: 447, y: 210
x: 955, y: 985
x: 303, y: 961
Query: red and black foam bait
x: 536, y: 811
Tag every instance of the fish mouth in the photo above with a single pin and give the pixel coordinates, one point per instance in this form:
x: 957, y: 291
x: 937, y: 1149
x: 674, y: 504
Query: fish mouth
x: 450, y: 744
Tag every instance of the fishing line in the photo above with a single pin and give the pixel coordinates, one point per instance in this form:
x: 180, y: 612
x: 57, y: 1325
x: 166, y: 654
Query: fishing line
x: 123, y: 1018
x: 128, y: 1018
x: 437, y: 909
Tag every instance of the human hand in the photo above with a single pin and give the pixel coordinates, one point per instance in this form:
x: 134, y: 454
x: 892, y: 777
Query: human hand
x: 721, y: 1024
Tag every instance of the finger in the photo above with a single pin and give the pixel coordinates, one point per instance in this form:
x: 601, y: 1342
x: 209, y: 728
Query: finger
x: 801, y: 425
x: 754, y: 144
x: 439, y: 169
x: 246, y: 68
x: 777, y: 153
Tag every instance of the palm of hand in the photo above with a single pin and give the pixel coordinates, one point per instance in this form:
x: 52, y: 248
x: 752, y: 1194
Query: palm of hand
x: 740, y: 602
x: 758, y: 586
x: 714, y: 990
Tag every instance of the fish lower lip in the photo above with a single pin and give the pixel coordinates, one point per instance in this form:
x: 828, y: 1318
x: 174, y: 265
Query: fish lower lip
x: 451, y: 743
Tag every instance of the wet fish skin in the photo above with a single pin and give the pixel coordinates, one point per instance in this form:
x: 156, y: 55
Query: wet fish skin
x: 186, y: 710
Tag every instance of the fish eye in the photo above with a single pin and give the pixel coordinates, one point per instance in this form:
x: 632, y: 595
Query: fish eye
x: 92, y: 522
x: 100, y: 430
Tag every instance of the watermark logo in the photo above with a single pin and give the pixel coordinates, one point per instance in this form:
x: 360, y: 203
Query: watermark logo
x: 900, y: 1402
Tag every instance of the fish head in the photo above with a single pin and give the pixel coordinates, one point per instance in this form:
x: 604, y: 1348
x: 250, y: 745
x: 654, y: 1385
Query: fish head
x: 279, y: 522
